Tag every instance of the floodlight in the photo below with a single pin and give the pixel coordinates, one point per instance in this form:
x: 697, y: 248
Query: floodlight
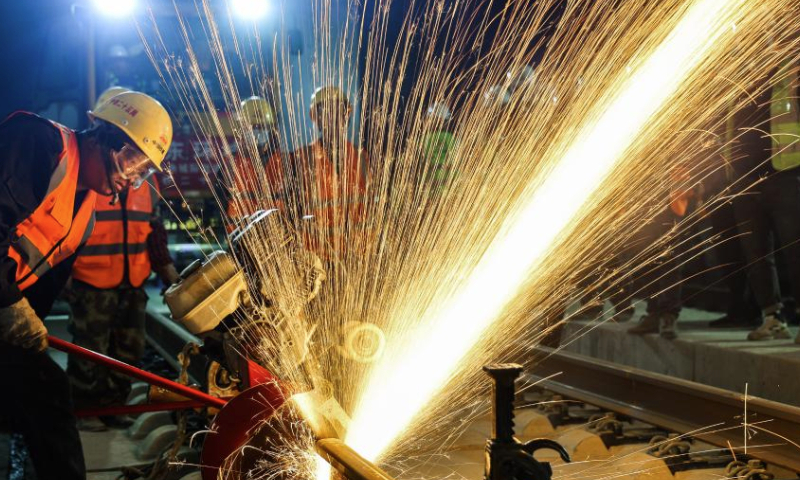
x: 250, y: 9
x: 115, y: 8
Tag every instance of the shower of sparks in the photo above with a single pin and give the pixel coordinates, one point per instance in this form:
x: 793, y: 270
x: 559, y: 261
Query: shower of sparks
x: 407, y: 379
x: 553, y: 171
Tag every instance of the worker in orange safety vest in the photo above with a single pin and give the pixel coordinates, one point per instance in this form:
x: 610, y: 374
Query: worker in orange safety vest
x: 107, y: 297
x: 257, y: 177
x: 333, y: 178
x: 50, y: 176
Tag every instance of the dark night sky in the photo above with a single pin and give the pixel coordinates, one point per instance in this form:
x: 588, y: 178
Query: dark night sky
x: 44, y: 51
x: 25, y: 30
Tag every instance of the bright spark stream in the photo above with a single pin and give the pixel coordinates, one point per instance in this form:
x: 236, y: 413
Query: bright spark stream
x: 422, y: 277
x: 408, y: 378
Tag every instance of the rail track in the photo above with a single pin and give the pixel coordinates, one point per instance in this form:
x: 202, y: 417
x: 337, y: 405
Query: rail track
x: 718, y: 416
x: 617, y: 421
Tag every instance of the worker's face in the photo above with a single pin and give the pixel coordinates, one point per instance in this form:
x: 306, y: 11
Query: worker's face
x: 113, y: 171
x: 131, y: 167
x: 331, y: 119
x: 266, y: 138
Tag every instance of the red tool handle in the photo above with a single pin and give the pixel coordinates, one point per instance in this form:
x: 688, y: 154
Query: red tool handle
x: 141, y: 408
x: 134, y: 372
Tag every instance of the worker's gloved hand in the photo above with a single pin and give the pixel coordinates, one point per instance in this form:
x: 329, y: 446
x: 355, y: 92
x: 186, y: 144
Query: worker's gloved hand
x: 169, y: 274
x: 21, y: 327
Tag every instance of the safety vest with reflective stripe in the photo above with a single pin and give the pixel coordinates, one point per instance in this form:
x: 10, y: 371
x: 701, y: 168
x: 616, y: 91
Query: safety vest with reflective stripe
x: 337, y: 199
x: 252, y: 187
x: 54, y: 231
x: 785, y: 119
x: 119, y: 233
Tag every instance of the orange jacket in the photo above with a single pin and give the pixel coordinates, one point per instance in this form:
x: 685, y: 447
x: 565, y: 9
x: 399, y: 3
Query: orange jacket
x: 680, y: 194
x: 337, y: 198
x: 120, y: 236
x: 251, y: 185
x: 54, y: 232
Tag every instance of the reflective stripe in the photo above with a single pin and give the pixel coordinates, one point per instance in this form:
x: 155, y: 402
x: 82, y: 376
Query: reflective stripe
x: 58, y: 175
x: 61, y: 169
x: 28, y: 251
x: 41, y: 269
x: 785, y: 120
x: 116, y: 215
x: 154, y: 198
x: 89, y: 229
x: 113, y: 249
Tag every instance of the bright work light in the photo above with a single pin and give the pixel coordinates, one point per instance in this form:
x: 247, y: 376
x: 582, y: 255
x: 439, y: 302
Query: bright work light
x: 115, y: 8
x: 250, y: 9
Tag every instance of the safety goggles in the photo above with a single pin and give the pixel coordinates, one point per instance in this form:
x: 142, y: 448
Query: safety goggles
x: 133, y: 165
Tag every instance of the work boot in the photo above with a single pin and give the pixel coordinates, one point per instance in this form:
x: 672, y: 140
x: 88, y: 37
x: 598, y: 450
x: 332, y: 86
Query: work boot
x: 773, y: 328
x: 667, y: 326
x: 91, y: 424
x: 648, y: 324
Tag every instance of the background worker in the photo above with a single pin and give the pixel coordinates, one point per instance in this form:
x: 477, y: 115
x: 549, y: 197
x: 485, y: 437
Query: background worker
x: 767, y: 214
x: 333, y: 178
x: 107, y: 297
x: 663, y: 283
x: 438, y: 145
x: 256, y: 180
x: 50, y: 176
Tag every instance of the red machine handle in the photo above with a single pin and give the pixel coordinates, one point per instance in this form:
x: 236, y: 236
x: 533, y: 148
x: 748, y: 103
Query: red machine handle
x: 140, y: 408
x: 134, y: 372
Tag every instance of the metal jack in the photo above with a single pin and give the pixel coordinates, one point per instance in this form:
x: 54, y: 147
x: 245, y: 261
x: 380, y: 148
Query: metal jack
x: 506, y: 457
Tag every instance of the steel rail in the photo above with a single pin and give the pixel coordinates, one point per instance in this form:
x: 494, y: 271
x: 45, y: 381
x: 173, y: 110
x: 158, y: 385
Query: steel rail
x: 710, y: 414
x: 348, y: 462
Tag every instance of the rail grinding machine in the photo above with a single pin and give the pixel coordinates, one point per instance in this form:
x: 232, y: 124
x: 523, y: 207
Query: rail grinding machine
x: 216, y: 289
x: 207, y: 300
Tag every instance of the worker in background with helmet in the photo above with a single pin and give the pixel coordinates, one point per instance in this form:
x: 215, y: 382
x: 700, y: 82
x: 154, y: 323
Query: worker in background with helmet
x: 333, y: 182
x: 107, y: 297
x: 333, y: 178
x: 438, y: 145
x: 767, y: 215
x: 257, y: 177
x: 50, y: 176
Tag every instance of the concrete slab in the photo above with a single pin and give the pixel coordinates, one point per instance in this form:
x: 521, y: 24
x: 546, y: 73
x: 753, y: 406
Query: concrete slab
x: 581, y: 445
x: 156, y: 442
x: 531, y: 423
x: 718, y: 357
x: 475, y: 437
x: 468, y: 464
x: 193, y: 476
x: 703, y: 474
x: 639, y: 466
x: 147, y: 422
x: 108, y: 450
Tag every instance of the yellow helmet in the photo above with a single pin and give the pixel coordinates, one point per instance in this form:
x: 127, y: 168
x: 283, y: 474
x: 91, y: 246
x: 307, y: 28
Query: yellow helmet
x: 257, y: 111
x: 108, y: 93
x: 329, y: 95
x: 143, y: 119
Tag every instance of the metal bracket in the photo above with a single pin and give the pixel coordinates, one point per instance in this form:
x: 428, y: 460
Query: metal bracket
x: 506, y: 457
